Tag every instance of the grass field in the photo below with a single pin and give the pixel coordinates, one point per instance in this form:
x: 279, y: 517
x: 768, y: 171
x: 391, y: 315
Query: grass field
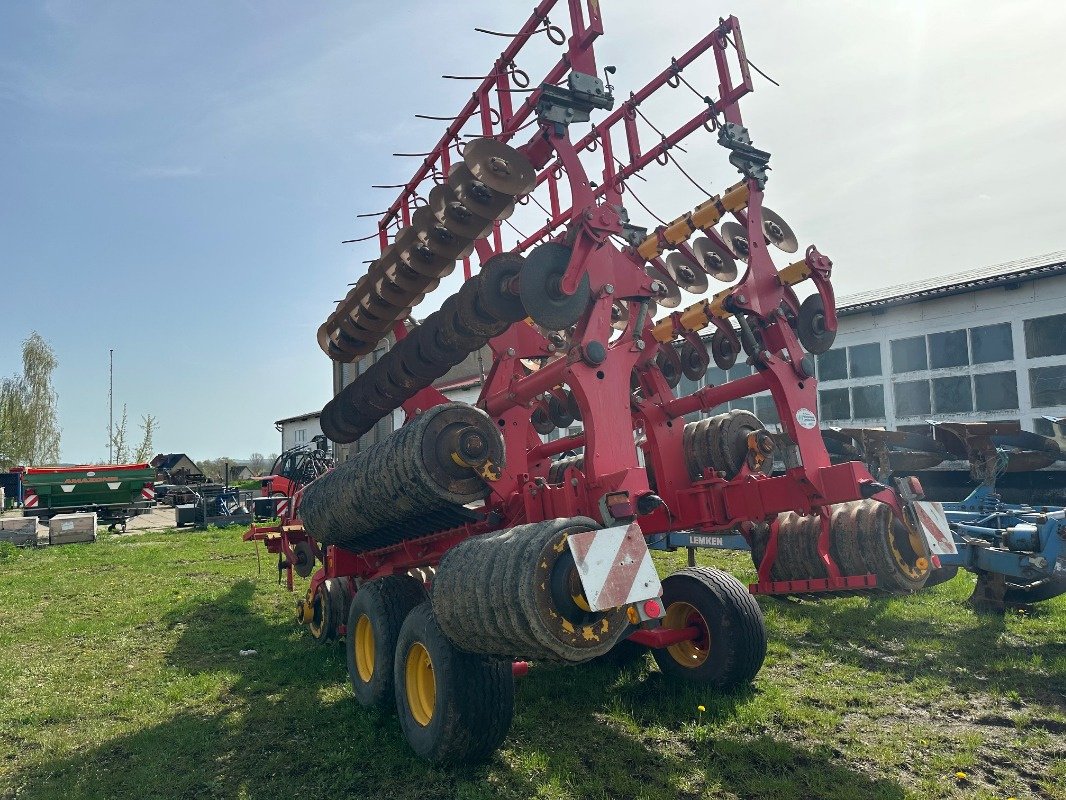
x: 120, y: 678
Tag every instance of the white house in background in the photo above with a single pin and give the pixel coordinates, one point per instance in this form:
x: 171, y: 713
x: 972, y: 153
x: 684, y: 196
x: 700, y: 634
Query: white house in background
x: 984, y: 345
x: 298, y: 430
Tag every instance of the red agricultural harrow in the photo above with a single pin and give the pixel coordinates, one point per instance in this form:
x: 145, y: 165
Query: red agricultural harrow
x: 461, y: 546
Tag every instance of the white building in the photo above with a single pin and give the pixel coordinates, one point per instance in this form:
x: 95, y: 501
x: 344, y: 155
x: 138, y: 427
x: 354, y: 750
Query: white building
x: 298, y: 430
x: 985, y: 345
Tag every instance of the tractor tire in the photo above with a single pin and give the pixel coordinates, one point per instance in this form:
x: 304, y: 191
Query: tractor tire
x: 732, y: 644
x: 454, y: 707
x: 374, y: 620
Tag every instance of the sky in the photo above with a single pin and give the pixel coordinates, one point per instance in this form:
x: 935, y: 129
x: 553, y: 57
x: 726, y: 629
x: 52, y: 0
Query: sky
x: 177, y: 178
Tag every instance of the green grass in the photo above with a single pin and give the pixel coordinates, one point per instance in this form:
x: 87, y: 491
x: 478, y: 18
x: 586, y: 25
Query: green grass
x: 120, y: 678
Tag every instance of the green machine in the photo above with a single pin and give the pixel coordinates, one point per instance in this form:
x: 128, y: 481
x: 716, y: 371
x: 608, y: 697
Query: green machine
x: 115, y: 492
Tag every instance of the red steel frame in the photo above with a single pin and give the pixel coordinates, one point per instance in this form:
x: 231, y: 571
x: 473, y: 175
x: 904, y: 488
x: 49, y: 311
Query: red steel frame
x: 611, y: 468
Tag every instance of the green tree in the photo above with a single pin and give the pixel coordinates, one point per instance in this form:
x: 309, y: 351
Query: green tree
x: 29, y: 429
x: 144, y: 449
x: 120, y: 446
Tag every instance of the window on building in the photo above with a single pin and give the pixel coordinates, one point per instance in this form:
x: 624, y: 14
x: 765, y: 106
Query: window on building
x: 687, y: 387
x: 739, y: 370
x: 868, y: 402
x: 990, y: 343
x: 865, y: 360
x: 948, y: 349
x: 743, y: 403
x: 299, y: 436
x: 996, y: 390
x: 684, y: 389
x: 715, y: 376
x: 912, y: 397
x: 833, y: 365
x: 952, y: 395
x: 834, y: 404
x: 1044, y: 427
x: 766, y: 411
x: 1045, y: 336
x: 1047, y: 385
x: 908, y: 355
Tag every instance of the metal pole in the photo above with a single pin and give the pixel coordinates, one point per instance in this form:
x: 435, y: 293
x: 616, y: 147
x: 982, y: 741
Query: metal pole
x: 111, y: 409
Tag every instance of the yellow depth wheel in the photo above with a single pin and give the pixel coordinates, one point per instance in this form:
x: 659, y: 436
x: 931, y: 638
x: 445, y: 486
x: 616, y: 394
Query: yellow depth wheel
x: 691, y: 653
x: 730, y: 642
x: 364, y: 648
x: 420, y: 683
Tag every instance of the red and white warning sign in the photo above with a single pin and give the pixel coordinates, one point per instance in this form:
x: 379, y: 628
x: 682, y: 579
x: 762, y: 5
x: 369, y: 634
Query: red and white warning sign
x: 283, y: 507
x: 614, y: 566
x: 934, y: 524
x: 30, y: 501
x: 148, y: 492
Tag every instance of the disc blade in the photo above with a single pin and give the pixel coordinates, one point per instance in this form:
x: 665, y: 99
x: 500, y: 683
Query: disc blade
x: 734, y: 235
x: 438, y: 238
x: 670, y: 295
x: 686, y: 273
x: 716, y: 261
x: 477, y: 196
x: 500, y: 166
x: 778, y: 232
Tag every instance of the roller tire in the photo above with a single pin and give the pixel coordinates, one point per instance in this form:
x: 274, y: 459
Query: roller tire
x: 876, y: 543
x: 571, y: 639
x: 844, y: 546
x: 474, y: 696
x: 736, y: 647
x: 385, y: 602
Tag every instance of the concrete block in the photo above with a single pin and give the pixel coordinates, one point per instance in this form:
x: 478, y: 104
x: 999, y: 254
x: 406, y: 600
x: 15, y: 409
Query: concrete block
x: 69, y: 528
x: 20, y: 531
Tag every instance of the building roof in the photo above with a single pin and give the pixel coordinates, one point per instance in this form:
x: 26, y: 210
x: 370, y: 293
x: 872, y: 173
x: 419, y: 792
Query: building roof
x: 958, y: 283
x: 300, y: 417
x: 170, y: 460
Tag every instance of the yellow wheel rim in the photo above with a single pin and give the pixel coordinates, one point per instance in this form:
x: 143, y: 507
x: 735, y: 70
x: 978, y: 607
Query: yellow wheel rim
x: 691, y: 653
x: 318, y: 616
x: 420, y: 683
x: 364, y: 649
x: 913, y: 567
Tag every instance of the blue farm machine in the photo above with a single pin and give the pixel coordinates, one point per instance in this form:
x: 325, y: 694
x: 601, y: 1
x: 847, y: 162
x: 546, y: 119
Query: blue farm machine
x: 469, y: 542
